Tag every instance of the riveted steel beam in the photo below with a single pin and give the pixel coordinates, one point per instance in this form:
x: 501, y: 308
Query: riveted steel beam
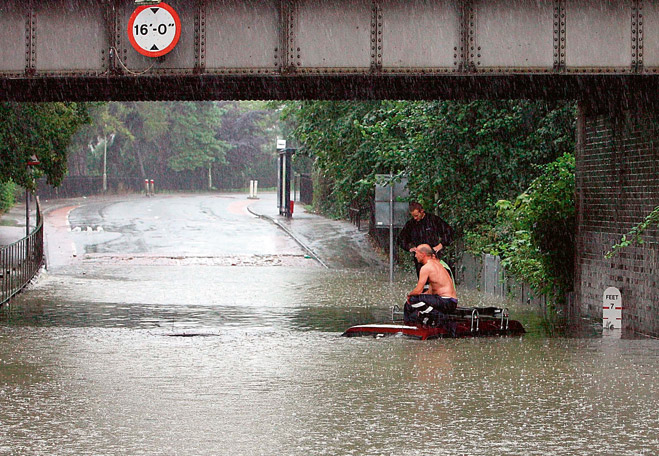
x: 200, y: 37
x: 637, y: 36
x: 376, y: 36
x: 559, y: 36
x: 467, y: 18
x: 598, y: 37
x: 316, y: 39
x: 289, y: 48
x: 31, y: 39
x: 110, y: 54
x: 648, y: 44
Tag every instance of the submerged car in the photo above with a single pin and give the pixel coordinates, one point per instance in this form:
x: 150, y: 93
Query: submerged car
x: 463, y: 322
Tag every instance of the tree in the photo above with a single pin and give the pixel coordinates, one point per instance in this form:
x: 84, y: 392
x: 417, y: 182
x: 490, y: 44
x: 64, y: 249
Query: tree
x: 88, y: 147
x: 534, y: 234
x: 176, y: 142
x: 193, y: 140
x: 460, y: 157
x: 40, y: 130
x: 250, y: 130
x: 331, y: 134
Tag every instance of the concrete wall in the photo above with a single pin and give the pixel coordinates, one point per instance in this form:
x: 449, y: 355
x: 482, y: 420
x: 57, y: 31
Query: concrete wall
x: 617, y: 181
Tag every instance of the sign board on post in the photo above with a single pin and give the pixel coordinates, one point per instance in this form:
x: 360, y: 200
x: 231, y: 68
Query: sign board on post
x: 382, y: 201
x: 612, y: 309
x: 390, y: 211
x: 154, y: 30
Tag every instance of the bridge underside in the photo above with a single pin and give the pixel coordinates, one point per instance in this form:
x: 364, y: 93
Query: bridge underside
x: 605, y: 90
x: 334, y: 49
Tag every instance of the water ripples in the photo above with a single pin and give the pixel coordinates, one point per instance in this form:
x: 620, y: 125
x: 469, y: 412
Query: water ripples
x: 236, y: 369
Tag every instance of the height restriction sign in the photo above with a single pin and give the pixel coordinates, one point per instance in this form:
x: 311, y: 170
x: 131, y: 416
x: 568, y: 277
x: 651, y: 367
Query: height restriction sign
x: 154, y: 30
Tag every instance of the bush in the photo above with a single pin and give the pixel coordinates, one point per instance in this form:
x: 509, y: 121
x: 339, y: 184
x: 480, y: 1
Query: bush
x: 534, y: 235
x: 7, y: 195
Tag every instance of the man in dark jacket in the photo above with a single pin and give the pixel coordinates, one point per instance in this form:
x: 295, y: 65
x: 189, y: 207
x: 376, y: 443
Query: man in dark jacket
x: 424, y: 229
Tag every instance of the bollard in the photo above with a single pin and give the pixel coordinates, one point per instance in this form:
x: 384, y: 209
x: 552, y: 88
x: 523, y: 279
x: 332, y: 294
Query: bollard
x: 612, y: 309
x: 292, y: 206
x: 253, y: 185
x: 146, y: 187
x: 256, y: 189
x: 153, y: 187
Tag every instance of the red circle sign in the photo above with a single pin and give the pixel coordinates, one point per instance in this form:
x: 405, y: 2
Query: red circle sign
x: 154, y: 30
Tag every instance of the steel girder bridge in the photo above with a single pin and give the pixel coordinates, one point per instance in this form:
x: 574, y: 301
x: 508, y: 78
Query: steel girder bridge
x: 80, y: 50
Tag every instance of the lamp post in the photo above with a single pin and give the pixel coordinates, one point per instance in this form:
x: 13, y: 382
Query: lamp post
x: 32, y: 161
x: 105, y: 163
x: 105, y: 157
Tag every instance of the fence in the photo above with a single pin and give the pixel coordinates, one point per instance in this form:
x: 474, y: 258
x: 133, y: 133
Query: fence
x: 21, y: 261
x: 486, y: 274
x: 360, y: 213
x: 76, y: 186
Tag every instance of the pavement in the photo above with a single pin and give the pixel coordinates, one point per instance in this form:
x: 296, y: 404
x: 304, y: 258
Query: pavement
x: 333, y: 243
x: 12, y: 223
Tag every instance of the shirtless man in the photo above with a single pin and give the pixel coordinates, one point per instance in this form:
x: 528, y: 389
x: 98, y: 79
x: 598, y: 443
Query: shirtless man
x: 440, y: 298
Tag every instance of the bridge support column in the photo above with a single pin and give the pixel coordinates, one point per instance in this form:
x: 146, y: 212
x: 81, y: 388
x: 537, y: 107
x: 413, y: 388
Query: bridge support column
x: 617, y: 185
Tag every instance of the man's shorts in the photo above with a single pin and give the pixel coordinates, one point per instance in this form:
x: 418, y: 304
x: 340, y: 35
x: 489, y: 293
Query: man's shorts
x: 427, y: 309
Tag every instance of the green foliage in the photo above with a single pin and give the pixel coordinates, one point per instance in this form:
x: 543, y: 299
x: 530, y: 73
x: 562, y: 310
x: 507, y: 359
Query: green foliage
x: 534, y: 234
x: 460, y: 158
x: 251, y: 129
x: 331, y: 134
x: 7, y: 195
x: 192, y: 136
x: 43, y: 130
x: 635, y: 235
x: 177, y: 141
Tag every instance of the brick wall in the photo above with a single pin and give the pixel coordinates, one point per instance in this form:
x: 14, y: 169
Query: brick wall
x: 617, y: 181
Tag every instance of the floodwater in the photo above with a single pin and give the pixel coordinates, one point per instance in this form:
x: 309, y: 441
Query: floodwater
x: 110, y: 356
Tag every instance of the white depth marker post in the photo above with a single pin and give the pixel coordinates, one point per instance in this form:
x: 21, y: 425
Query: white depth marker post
x: 612, y: 309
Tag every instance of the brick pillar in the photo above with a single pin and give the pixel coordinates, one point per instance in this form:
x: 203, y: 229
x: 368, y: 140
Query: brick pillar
x: 617, y: 185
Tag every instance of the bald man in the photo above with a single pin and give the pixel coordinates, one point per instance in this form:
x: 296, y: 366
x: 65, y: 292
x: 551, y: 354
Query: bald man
x: 426, y: 308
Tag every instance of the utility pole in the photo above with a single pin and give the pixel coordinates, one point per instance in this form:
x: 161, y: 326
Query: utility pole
x: 27, y: 213
x: 33, y: 161
x: 105, y: 161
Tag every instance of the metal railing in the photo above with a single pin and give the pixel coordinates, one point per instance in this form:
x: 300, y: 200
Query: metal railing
x: 357, y: 214
x: 20, y: 261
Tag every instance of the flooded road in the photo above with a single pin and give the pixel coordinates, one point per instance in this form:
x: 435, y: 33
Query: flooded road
x: 144, y: 340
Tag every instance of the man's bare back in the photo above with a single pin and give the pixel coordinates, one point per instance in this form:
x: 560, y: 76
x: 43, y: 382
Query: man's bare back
x: 433, y: 273
x: 439, y: 280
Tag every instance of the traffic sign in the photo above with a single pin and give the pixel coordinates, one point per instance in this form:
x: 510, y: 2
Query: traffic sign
x: 154, y: 30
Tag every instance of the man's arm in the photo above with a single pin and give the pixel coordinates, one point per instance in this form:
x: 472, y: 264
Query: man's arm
x: 444, y: 233
x: 403, y: 237
x: 423, y: 278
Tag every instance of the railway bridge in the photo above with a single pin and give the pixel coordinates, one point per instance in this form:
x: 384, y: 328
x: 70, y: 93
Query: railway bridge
x: 604, y: 54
